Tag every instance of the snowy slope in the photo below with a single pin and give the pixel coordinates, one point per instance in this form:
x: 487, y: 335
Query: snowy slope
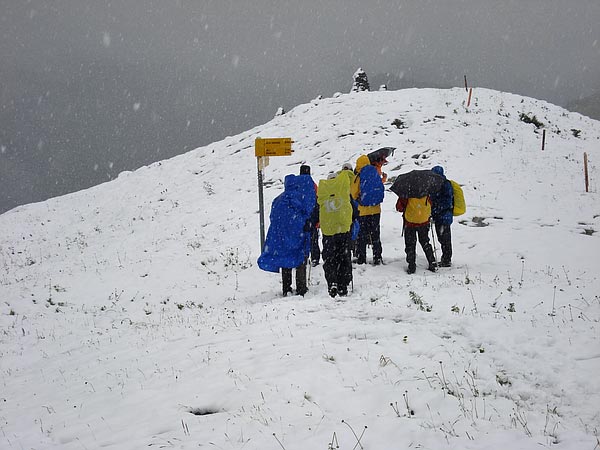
x: 133, y: 314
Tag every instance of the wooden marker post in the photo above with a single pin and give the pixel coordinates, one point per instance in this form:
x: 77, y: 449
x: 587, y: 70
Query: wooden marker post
x: 543, y: 139
x: 585, y: 172
x: 263, y: 148
x: 469, y: 98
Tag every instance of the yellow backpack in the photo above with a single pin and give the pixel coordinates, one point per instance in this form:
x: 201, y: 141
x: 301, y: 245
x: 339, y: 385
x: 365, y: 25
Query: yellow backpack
x: 460, y: 206
x: 418, y: 210
x: 335, y: 209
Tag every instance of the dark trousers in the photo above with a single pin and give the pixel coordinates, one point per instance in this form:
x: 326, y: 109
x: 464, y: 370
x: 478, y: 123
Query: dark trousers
x: 337, y: 263
x: 411, y: 234
x: 315, y: 251
x: 444, y: 236
x: 368, y: 234
x: 286, y: 278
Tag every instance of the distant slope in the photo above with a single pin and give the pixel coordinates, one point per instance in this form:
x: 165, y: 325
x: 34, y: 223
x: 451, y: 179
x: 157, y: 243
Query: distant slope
x: 588, y: 106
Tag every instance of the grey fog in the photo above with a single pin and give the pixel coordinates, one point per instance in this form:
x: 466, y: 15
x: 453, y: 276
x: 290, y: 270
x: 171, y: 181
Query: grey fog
x: 91, y: 88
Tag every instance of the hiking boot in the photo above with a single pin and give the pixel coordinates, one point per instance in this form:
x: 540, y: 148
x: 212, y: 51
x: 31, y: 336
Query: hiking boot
x: 333, y: 290
x: 301, y: 291
x: 412, y: 268
x: 377, y: 261
x: 287, y: 291
x: 342, y: 291
x: 432, y: 266
x: 315, y: 263
x: 360, y: 260
x: 445, y: 264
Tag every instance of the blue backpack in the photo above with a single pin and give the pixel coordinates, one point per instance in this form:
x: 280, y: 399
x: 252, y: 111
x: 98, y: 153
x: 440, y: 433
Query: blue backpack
x: 371, y: 187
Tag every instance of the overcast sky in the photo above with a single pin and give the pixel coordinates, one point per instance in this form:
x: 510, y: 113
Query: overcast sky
x: 93, y: 87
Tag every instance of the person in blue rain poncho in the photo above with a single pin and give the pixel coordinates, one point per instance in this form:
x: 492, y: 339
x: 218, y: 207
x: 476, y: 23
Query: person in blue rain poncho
x: 288, y: 240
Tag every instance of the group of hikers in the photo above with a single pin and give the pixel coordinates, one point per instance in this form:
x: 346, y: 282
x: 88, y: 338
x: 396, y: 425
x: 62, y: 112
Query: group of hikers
x: 346, y: 208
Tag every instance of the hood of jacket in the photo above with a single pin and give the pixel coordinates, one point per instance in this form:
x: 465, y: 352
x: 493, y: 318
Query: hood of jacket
x: 361, y: 162
x: 439, y: 170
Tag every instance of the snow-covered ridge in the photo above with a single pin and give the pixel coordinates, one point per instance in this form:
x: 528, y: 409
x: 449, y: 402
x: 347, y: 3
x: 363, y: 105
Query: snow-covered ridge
x: 143, y: 293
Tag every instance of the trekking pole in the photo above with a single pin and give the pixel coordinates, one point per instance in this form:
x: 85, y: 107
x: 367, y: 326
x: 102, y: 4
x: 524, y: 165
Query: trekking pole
x: 309, y: 271
x: 432, y: 224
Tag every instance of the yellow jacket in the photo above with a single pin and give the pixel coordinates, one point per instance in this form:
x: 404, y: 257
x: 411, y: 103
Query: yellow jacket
x: 361, y: 162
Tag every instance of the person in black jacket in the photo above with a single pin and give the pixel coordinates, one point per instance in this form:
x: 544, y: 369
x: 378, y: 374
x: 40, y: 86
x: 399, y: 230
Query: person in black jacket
x: 442, y: 215
x: 315, y: 251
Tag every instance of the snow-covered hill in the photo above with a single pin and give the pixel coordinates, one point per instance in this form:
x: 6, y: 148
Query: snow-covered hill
x: 133, y: 314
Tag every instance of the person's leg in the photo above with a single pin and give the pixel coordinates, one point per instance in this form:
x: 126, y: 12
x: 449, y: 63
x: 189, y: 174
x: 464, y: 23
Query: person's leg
x: 423, y: 234
x: 301, y: 287
x: 329, y: 260
x: 410, y: 247
x: 376, y: 238
x: 337, y: 263
x: 315, y: 251
x: 361, y: 242
x: 286, y: 278
x: 345, y: 263
x: 445, y: 238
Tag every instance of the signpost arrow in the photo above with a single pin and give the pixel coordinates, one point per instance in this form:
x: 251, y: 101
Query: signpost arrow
x: 273, y: 147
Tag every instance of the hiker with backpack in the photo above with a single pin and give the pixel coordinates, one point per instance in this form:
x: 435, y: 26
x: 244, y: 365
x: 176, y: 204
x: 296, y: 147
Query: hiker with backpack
x: 287, y: 244
x: 442, y: 205
x: 368, y: 190
x: 416, y: 214
x: 337, y: 211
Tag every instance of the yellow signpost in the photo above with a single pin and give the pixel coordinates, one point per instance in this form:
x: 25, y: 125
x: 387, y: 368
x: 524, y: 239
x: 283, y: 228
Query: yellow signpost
x: 273, y: 147
x: 263, y: 149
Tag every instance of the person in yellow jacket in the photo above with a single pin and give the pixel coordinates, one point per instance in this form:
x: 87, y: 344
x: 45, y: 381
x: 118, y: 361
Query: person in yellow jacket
x: 416, y: 214
x: 369, y: 217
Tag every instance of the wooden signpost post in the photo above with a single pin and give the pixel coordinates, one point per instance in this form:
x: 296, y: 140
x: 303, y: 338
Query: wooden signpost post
x: 263, y: 149
x: 585, y: 172
x: 543, y: 139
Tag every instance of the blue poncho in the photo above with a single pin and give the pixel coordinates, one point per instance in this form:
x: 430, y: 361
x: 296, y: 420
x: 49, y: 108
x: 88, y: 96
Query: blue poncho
x: 288, y: 244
